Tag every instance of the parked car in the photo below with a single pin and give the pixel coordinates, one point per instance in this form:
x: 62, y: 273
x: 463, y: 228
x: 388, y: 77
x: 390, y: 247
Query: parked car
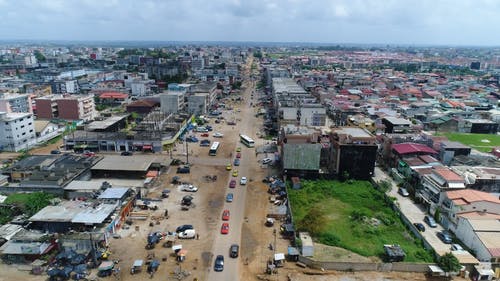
x: 243, y: 180
x: 126, y: 153
x: 225, y: 215
x: 229, y: 167
x: 55, y: 152
x: 205, y: 135
x: 229, y: 197
x: 187, y: 234
x: 445, y: 236
x: 234, y: 250
x: 238, y: 149
x: 232, y: 184
x: 456, y: 247
x: 218, y: 135
x: 219, y: 263
x: 430, y: 221
x: 183, y: 170
x: 236, y: 162
x: 205, y: 143
x: 267, y: 160
x: 238, y: 155
x: 403, y: 192
x: 224, y: 229
x: 189, y: 188
x: 88, y: 153
x: 192, y: 139
x: 183, y: 227
x: 419, y: 226
x: 235, y: 173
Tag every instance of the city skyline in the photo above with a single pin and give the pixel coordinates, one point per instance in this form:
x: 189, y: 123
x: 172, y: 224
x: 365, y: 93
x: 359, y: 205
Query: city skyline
x: 465, y: 23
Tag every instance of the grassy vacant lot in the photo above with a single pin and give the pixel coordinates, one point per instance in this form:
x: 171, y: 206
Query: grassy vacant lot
x: 353, y: 216
x: 481, y: 142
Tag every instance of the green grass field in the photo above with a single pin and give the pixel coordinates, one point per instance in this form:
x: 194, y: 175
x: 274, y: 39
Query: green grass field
x: 349, y: 210
x: 481, y: 142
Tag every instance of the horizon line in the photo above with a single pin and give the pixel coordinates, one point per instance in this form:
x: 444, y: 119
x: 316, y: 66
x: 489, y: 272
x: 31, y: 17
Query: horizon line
x: 200, y: 42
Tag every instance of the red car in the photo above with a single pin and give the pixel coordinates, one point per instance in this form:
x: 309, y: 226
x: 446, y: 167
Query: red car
x: 225, y: 215
x: 238, y: 155
x: 204, y: 135
x: 232, y: 184
x: 224, y: 228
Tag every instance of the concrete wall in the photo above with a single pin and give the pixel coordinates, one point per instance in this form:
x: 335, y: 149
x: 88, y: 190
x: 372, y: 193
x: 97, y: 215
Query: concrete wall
x: 366, y: 266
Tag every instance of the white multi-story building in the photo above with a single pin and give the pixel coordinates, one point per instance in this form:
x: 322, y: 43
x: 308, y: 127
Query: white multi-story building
x: 138, y: 88
x: 172, y: 101
x: 10, y: 102
x: 199, y: 103
x: 17, y: 131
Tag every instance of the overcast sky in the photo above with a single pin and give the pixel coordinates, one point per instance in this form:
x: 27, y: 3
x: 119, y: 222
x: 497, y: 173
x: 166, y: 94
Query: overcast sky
x: 443, y: 22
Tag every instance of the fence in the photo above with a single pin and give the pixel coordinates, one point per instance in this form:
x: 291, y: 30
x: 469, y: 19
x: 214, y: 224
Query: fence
x: 405, y: 220
x: 365, y: 266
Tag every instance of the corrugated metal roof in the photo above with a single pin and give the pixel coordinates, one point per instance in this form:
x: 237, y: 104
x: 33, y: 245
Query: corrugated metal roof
x: 15, y: 248
x: 117, y: 163
x: 113, y: 193
x: 406, y: 148
x: 94, y: 215
x: 301, y: 156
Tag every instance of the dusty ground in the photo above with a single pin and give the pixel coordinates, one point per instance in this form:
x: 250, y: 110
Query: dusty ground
x: 205, y: 216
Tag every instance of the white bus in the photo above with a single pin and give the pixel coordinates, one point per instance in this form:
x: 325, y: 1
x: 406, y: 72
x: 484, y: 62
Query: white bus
x: 246, y: 140
x: 213, y: 149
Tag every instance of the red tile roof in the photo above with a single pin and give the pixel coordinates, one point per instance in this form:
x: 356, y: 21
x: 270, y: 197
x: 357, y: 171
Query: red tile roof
x: 428, y: 159
x: 113, y: 95
x: 408, y: 148
x: 448, y: 174
x: 467, y: 196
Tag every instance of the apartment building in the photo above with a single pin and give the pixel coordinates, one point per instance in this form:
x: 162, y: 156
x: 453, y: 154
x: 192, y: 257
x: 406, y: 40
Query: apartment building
x: 18, y: 131
x: 353, y: 153
x: 172, y: 101
x: 198, y: 103
x: 11, y: 103
x: 81, y: 107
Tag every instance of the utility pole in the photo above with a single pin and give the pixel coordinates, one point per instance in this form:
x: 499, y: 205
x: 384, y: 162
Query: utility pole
x: 187, y: 151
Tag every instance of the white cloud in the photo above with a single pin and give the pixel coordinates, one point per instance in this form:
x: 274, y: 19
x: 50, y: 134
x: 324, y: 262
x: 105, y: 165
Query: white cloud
x: 335, y: 21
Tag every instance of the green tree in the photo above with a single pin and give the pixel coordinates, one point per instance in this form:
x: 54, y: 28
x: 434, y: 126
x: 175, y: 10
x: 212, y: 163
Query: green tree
x: 314, y: 221
x: 449, y: 263
x: 38, y: 201
x: 39, y: 56
x: 257, y: 54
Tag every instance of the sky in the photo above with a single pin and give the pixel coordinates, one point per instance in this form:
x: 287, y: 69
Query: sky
x: 417, y: 22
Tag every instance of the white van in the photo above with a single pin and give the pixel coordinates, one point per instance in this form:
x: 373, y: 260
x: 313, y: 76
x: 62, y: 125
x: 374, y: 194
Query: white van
x: 187, y: 234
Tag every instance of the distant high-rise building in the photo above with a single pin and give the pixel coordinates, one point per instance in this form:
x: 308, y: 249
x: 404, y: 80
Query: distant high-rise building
x: 475, y: 65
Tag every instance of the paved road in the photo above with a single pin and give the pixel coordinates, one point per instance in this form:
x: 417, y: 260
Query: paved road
x: 237, y: 207
x: 415, y: 213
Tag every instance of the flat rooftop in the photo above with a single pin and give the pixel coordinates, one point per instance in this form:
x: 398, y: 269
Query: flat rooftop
x: 104, y: 124
x: 114, y: 193
x: 84, y: 185
x: 75, y: 212
x: 354, y: 132
x: 126, y: 163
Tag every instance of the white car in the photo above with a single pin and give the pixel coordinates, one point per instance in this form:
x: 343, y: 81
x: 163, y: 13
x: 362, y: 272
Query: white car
x: 218, y: 135
x: 267, y: 160
x: 243, y: 180
x: 456, y: 247
x: 189, y: 188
